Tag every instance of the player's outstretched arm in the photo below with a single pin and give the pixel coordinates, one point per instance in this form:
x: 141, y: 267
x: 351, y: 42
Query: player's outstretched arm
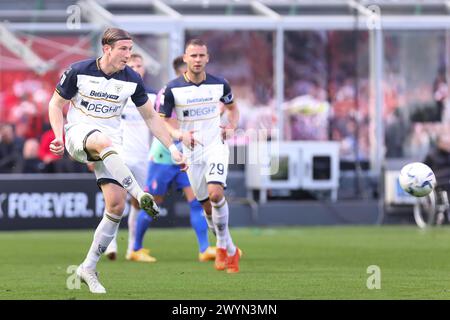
x: 56, y: 117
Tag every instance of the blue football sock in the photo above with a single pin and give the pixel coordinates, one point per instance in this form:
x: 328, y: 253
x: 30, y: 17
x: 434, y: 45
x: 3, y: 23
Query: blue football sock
x: 142, y: 224
x: 199, y: 224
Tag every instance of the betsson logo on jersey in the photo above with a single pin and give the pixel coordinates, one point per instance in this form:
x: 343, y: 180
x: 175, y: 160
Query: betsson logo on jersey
x: 103, y: 95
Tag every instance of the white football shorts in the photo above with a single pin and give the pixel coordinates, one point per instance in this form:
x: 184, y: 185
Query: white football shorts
x: 75, y: 143
x: 208, y: 165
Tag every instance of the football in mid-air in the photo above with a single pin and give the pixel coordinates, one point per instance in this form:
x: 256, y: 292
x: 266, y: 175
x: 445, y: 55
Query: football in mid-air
x: 417, y: 179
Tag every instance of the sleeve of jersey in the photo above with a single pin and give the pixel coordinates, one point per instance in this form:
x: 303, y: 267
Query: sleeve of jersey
x: 227, y: 97
x: 67, y: 86
x: 168, y: 104
x: 139, y: 96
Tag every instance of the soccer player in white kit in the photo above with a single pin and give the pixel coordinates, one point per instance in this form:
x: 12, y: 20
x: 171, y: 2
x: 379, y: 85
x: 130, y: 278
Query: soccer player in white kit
x: 196, y: 98
x: 136, y: 140
x: 162, y: 173
x: 97, y: 90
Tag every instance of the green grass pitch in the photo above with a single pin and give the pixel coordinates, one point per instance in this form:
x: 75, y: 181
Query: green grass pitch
x: 278, y: 263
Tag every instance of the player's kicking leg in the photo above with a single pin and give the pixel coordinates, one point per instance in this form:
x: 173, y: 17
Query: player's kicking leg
x: 87, y: 143
x: 148, y: 204
x: 99, y: 145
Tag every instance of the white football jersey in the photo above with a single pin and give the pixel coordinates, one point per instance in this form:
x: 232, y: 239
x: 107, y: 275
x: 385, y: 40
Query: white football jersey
x: 197, y: 106
x: 98, y: 99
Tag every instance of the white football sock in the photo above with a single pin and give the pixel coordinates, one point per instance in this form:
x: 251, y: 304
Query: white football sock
x: 115, y: 165
x: 132, y: 217
x: 231, y: 248
x: 103, y: 235
x: 209, y: 221
x: 112, y: 247
x: 220, y: 219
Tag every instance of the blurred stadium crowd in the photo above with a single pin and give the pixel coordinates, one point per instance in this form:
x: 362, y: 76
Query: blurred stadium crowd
x: 326, y: 92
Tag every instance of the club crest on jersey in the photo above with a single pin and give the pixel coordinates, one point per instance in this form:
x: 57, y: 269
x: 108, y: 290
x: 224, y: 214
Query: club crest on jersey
x: 127, y: 182
x: 118, y: 88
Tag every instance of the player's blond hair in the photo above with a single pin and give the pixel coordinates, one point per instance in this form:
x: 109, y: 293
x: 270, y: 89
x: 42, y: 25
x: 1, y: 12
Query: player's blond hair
x: 112, y: 35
